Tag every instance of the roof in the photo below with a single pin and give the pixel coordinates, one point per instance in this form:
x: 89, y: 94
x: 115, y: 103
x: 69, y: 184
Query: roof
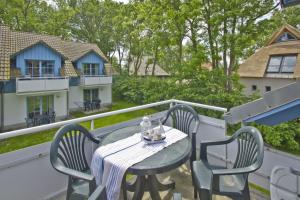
x: 280, y: 114
x: 142, y: 71
x: 13, y: 42
x: 256, y: 64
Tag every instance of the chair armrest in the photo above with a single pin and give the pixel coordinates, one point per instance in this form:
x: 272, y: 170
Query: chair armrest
x: 216, y: 142
x: 98, y: 194
x: 295, y: 171
x: 75, y: 174
x: 204, y: 144
x: 220, y: 172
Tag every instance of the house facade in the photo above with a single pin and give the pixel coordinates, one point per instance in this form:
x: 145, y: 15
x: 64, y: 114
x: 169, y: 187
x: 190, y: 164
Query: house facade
x: 41, y: 74
x: 274, y: 65
x: 145, y: 67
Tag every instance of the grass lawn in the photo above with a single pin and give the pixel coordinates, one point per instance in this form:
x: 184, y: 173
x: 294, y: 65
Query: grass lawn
x: 23, y: 141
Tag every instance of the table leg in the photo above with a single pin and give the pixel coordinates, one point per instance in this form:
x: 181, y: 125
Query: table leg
x: 162, y: 186
x: 153, y: 187
x: 149, y: 183
x: 140, y: 188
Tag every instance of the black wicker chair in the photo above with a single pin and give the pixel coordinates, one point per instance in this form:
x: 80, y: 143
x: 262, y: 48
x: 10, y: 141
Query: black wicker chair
x: 67, y: 156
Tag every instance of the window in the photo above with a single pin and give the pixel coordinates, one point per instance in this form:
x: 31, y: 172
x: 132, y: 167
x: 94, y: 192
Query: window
x: 286, y: 37
x: 32, y: 68
x: 37, y: 68
x: 254, y: 87
x: 90, y: 69
x: 268, y: 88
x: 47, y: 68
x: 90, y: 94
x: 281, y: 64
x: 40, y: 104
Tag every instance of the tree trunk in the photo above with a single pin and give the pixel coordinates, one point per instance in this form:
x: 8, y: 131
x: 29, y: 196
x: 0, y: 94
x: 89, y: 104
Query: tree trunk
x: 154, y: 61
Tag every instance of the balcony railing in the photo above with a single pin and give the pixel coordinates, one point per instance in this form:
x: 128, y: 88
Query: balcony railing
x: 90, y: 80
x: 41, y: 84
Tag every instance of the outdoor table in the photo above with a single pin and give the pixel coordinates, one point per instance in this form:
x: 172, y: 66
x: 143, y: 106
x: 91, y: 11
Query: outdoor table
x: 165, y: 160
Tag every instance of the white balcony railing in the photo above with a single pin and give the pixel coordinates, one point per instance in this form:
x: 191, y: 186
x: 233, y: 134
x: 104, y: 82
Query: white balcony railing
x: 41, y: 84
x: 91, y: 118
x: 87, y: 80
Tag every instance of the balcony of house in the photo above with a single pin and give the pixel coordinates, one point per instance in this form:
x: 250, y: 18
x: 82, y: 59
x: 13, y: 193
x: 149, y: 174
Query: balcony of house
x: 41, y: 84
x: 32, y: 164
x: 94, y: 80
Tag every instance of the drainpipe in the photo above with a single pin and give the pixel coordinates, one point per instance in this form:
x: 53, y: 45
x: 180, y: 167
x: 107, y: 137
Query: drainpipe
x: 2, y: 106
x: 68, y: 104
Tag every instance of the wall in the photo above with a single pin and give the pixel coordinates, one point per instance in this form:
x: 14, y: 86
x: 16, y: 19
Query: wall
x: 105, y: 94
x: 15, y: 107
x: 38, y: 52
x: 76, y: 96
x: 262, y: 82
x: 91, y: 58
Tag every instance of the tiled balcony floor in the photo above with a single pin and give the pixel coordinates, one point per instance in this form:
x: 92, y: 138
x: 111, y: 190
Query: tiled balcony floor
x: 182, y: 178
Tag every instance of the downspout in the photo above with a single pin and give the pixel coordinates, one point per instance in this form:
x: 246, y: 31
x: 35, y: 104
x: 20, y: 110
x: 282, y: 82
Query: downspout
x: 2, y: 105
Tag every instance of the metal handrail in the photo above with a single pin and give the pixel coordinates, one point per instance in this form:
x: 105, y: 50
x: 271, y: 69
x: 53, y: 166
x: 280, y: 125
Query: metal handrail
x: 91, y: 118
x: 100, y: 75
x: 41, y: 78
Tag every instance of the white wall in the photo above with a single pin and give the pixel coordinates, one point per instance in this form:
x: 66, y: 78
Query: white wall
x: 76, y: 95
x: 60, y: 104
x: 261, y: 83
x: 105, y: 94
x: 15, y: 107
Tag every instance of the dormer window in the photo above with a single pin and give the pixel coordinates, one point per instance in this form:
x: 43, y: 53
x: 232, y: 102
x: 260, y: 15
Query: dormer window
x: 286, y: 37
x: 282, y: 64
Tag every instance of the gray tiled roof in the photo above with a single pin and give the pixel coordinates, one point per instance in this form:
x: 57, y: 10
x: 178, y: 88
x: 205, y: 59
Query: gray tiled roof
x: 12, y: 42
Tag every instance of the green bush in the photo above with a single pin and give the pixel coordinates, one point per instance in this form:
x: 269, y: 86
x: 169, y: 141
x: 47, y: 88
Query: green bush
x: 206, y: 87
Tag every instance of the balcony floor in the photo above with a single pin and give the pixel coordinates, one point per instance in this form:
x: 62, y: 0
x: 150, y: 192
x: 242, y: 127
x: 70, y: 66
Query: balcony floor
x: 182, y: 178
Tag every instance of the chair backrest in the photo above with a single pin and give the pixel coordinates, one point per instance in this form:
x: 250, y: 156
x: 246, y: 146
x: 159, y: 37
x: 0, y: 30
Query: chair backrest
x: 68, y: 147
x: 250, y: 150
x: 183, y: 117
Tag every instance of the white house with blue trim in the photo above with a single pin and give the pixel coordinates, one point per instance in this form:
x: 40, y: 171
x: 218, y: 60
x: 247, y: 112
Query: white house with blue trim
x: 42, y: 74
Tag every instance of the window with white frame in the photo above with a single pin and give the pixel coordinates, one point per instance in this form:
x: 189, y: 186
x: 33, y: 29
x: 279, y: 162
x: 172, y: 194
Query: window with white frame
x: 40, y: 104
x: 282, y: 64
x: 39, y: 68
x: 90, y: 94
x: 90, y: 69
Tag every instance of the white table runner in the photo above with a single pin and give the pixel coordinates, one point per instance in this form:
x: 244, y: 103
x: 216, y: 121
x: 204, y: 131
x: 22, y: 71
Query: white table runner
x: 111, y: 161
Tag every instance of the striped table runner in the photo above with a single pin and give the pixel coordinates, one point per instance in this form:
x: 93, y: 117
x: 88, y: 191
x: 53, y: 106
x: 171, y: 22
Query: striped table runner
x: 111, y: 161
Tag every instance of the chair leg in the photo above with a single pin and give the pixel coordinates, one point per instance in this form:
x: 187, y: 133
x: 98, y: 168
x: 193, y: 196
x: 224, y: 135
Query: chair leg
x: 124, y: 188
x: 70, y: 189
x: 195, y: 193
x: 246, y: 192
x: 205, y: 195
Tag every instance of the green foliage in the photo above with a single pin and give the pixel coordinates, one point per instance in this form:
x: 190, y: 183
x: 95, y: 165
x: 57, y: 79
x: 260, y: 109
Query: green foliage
x: 285, y: 135
x: 193, y: 84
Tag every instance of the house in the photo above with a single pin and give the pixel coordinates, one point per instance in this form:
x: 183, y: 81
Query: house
x: 145, y: 68
x: 42, y: 73
x: 274, y: 65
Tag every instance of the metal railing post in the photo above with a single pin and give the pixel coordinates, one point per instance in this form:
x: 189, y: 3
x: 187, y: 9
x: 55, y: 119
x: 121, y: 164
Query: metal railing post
x: 92, y: 125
